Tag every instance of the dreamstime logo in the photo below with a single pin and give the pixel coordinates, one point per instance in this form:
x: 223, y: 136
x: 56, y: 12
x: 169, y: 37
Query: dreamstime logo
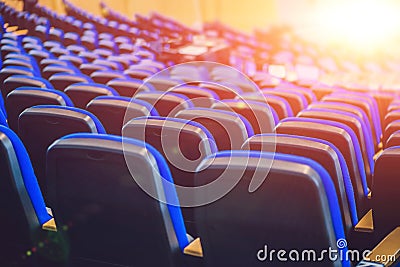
x: 222, y: 82
x: 339, y: 253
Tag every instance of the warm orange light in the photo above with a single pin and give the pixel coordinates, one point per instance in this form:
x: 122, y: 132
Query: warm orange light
x: 361, y: 24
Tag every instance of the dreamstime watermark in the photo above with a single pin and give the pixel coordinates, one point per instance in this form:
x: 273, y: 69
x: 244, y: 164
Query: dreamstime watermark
x: 340, y: 253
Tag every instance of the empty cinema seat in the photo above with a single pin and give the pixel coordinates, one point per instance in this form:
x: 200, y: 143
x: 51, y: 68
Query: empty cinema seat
x: 344, y: 139
x: 386, y: 192
x: 163, y: 83
x: 393, y: 140
x: 50, y: 70
x: 74, y: 60
x: 296, y: 100
x: 122, y: 216
x: 391, y: 128
x: 89, y: 68
x: 25, y: 97
x: 305, y: 135
x: 229, y: 129
x: 277, y: 103
x: 82, y: 93
x: 200, y: 97
x: 53, y: 61
x: 18, y: 62
x: 21, y: 202
x: 258, y: 114
x: 365, y: 105
x: 39, y: 126
x: 114, y: 111
x: 61, y: 81
x: 138, y: 73
x: 295, y: 188
x: 363, y: 134
x: 129, y: 87
x: 104, y: 76
x: 6, y: 72
x: 166, y: 103
x: 183, y: 143
x: 223, y: 90
x: 322, y: 152
x: 16, y: 81
x: 38, y: 55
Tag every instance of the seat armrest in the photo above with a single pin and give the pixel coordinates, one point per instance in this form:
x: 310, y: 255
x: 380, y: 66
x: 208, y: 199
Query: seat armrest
x: 50, y: 225
x: 194, y: 249
x: 386, y: 253
x: 366, y: 224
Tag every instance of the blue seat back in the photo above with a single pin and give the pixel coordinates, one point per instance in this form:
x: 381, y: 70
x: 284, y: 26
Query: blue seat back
x: 80, y: 182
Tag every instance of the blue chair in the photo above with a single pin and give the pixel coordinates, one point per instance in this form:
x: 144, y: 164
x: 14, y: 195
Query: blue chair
x: 229, y: 129
x: 89, y: 68
x: 258, y: 114
x: 22, y: 202
x: 82, y: 93
x: 53, y: 61
x: 365, y: 105
x: 108, y: 63
x: 344, y: 139
x: 277, y: 103
x: 61, y: 81
x: 357, y: 125
x: 28, y: 47
x: 138, y: 74
x: 183, y: 143
x: 393, y: 140
x: 115, y: 111
x: 163, y: 83
x: 347, y: 108
x: 200, y: 97
x: 7, y: 49
x: 296, y: 100
x: 167, y: 104
x: 17, y: 62
x: 49, y: 45
x: 75, y: 60
x: 26, y: 97
x: 129, y: 87
x: 124, y: 61
x: 38, y: 55
x: 390, y: 117
x: 322, y: 152
x: 39, y: 126
x: 183, y: 154
x: 16, y: 56
x: 56, y: 35
x: 13, y: 70
x: 71, y: 38
x: 104, y: 77
x: 59, y: 51
x: 223, y: 90
x: 42, y: 32
x: 306, y: 92
x: 237, y: 227
x: 386, y: 193
x: 50, y: 70
x: 88, y: 56
x: 15, y: 81
x: 126, y: 226
x: 103, y: 53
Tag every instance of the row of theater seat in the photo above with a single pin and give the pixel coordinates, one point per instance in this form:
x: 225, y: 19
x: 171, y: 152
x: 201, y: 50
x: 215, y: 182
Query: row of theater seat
x: 323, y: 160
